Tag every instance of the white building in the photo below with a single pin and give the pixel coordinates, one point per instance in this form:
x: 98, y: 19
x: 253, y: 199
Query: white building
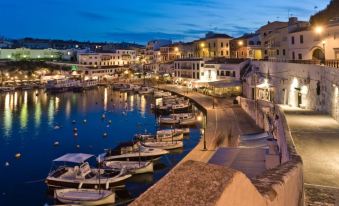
x: 118, y: 58
x: 315, y: 43
x: 24, y: 53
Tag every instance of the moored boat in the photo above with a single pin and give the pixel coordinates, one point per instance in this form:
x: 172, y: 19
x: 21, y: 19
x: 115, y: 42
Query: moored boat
x: 164, y: 145
x: 146, y: 90
x: 132, y: 152
x: 86, y: 197
x: 83, y: 176
x: 133, y: 167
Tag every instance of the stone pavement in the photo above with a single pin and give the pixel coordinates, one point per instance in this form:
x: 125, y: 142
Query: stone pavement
x: 225, y: 122
x: 316, y: 137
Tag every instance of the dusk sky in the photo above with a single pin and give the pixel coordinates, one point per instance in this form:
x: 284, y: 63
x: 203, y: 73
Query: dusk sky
x: 142, y: 20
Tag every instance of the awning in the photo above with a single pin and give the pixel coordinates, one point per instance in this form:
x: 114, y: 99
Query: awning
x: 74, y: 158
x: 224, y: 84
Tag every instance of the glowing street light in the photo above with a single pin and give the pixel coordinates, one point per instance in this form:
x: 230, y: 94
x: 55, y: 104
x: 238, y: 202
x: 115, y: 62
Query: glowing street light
x: 240, y: 43
x: 176, y: 49
x: 318, y: 29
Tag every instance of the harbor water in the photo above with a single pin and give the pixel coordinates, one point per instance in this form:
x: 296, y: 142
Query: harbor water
x: 37, y: 127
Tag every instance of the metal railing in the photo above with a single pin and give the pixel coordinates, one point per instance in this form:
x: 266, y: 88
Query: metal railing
x: 329, y: 63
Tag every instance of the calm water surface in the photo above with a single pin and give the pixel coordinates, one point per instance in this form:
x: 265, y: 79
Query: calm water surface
x: 27, y: 124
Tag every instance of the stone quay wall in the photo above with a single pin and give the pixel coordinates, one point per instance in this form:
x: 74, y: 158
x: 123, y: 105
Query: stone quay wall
x: 284, y: 184
x: 313, y: 87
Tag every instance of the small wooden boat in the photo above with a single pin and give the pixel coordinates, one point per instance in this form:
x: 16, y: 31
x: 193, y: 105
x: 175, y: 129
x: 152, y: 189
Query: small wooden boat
x: 146, y: 90
x: 182, y: 119
x: 161, y: 94
x: 86, y: 197
x: 164, y: 145
x: 132, y: 152
x: 169, y: 135
x: 133, y: 167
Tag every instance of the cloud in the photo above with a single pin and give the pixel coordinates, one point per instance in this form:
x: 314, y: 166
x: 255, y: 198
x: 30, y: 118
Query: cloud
x: 94, y: 16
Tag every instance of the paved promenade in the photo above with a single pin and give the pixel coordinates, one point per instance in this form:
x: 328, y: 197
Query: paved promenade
x: 316, y: 137
x: 224, y: 120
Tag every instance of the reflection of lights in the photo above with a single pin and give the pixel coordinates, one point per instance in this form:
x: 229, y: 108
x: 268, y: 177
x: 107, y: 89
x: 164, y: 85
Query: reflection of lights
x: 50, y: 113
x: 7, y: 115
x: 143, y: 105
x: 57, y: 101
x: 24, y: 113
x: 37, y: 114
x: 105, y: 99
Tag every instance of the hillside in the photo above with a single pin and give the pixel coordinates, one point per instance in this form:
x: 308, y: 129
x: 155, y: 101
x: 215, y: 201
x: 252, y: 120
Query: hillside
x: 322, y: 17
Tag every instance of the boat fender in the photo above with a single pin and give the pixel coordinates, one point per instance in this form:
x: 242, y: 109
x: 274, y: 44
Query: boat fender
x: 107, y: 185
x: 80, y: 185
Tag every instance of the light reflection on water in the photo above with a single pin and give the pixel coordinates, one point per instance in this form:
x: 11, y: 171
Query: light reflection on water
x: 27, y: 121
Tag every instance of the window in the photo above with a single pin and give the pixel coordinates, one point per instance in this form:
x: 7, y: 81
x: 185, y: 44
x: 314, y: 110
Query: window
x: 193, y: 66
x: 214, y: 44
x: 284, y: 52
x: 222, y: 53
x: 300, y: 56
x: 217, y: 72
x: 301, y: 39
x: 227, y: 73
x: 278, y: 52
x: 293, y: 55
x: 292, y: 40
x: 222, y: 73
x: 233, y: 74
x: 198, y: 66
x: 222, y: 44
x: 202, y: 64
x: 227, y: 53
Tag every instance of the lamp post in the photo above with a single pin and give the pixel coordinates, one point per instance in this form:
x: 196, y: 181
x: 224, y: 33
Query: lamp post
x: 240, y: 44
x: 319, y: 30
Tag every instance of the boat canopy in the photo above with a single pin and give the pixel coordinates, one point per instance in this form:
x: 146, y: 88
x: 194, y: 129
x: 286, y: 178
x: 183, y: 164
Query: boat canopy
x: 74, y: 158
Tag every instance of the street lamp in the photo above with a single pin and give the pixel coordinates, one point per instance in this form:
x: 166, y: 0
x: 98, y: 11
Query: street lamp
x: 318, y: 30
x: 324, y: 43
x: 202, y: 118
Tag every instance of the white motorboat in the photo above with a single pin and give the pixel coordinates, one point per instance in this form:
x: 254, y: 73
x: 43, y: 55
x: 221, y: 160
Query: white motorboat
x: 180, y: 107
x: 83, y: 176
x: 169, y: 135
x: 146, y: 90
x: 164, y: 145
x: 162, y: 94
x: 87, y: 84
x: 168, y: 120
x: 132, y: 152
x: 182, y: 119
x: 133, y: 167
x: 86, y: 197
x: 60, y: 85
x: 118, y: 86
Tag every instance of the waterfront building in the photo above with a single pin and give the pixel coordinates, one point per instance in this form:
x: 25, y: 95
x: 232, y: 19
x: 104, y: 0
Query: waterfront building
x: 315, y: 43
x: 25, y: 53
x: 213, y: 45
x: 118, y: 58
x: 274, y: 37
x: 247, y: 46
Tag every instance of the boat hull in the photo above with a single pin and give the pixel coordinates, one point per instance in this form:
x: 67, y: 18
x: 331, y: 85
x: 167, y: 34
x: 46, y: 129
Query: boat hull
x: 64, y: 183
x: 109, y: 199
